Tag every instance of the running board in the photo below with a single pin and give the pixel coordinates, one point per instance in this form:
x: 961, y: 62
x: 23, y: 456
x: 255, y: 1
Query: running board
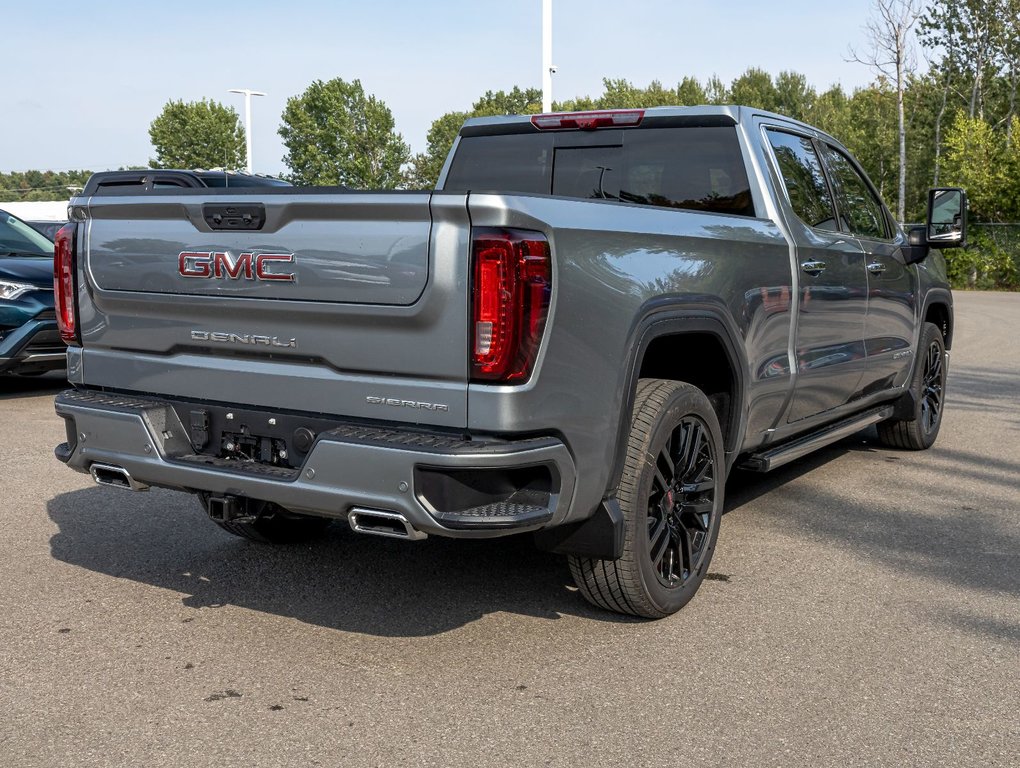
x: 783, y: 454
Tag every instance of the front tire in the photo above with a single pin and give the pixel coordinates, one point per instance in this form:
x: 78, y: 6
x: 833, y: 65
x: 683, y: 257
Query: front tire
x: 928, y: 389
x: 671, y: 495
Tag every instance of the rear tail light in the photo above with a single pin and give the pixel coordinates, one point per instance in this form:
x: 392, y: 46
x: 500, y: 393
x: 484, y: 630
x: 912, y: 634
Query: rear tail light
x: 512, y: 272
x: 612, y: 118
x: 63, y: 284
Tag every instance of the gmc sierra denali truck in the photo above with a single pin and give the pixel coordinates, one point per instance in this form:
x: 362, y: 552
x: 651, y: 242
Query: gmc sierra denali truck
x: 577, y: 334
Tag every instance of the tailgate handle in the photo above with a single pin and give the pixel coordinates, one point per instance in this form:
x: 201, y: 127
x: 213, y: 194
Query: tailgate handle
x: 233, y: 216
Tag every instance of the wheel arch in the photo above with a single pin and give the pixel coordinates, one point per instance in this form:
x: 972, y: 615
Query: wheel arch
x: 662, y: 344
x: 938, y: 310
x: 662, y: 329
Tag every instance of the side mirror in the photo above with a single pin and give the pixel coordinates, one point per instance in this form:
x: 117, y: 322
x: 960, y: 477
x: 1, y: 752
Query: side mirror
x: 947, y: 218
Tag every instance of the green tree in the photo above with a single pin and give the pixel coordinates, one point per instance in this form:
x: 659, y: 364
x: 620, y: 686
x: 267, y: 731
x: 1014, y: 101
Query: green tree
x: 794, y: 97
x: 977, y: 160
x: 974, y: 35
x: 690, y: 93
x: 426, y: 166
x: 335, y: 134
x: 31, y: 186
x: 513, y: 102
x: 871, y: 137
x: 716, y: 91
x: 890, y: 54
x: 197, y: 134
x: 755, y: 89
x: 831, y: 112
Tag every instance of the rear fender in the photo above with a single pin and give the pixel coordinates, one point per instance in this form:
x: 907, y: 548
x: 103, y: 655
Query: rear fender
x: 660, y: 321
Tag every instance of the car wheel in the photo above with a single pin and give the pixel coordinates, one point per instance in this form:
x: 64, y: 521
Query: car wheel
x: 671, y: 495
x: 928, y: 388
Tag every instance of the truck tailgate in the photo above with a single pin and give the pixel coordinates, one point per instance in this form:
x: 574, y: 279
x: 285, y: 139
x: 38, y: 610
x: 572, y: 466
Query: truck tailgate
x: 314, y: 311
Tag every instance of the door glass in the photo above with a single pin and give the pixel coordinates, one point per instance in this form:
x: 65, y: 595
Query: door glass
x: 804, y: 179
x: 859, y: 208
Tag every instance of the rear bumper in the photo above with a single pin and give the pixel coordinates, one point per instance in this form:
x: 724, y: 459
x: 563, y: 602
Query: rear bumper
x: 441, y: 483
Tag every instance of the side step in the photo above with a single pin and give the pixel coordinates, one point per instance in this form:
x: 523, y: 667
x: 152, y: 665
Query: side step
x: 783, y: 454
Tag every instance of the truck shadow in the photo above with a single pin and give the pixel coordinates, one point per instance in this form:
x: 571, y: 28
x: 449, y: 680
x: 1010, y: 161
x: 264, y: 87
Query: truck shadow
x: 12, y: 387
x: 375, y: 586
x: 953, y: 526
x: 341, y: 580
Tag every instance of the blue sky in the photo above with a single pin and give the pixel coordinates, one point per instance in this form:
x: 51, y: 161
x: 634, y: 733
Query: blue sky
x: 83, y: 81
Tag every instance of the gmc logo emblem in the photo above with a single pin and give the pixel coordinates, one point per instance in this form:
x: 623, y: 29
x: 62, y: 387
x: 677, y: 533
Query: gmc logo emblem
x: 220, y: 264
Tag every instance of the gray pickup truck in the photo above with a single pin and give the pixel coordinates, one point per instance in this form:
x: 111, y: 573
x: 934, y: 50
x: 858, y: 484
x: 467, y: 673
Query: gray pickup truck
x: 591, y: 320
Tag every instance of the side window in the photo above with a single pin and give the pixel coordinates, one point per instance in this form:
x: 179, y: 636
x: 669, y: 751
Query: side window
x: 860, y: 209
x: 805, y: 181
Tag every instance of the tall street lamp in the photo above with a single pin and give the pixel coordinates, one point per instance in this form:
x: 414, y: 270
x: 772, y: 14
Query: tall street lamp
x: 248, y: 93
x: 548, y: 68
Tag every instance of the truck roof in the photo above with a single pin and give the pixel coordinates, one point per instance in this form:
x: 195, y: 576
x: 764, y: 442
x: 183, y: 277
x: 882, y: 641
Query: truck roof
x: 703, y: 115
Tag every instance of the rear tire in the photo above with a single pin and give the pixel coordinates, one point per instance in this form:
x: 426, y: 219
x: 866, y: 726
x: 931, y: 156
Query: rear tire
x: 671, y: 495
x: 271, y: 524
x: 928, y: 388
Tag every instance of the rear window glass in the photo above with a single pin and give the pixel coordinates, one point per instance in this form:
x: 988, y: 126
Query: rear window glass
x: 694, y: 168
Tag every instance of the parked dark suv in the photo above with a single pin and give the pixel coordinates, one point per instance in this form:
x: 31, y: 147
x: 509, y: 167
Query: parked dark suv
x: 29, y: 340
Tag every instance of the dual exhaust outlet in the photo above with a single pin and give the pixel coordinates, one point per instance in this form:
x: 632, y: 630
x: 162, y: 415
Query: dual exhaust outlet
x: 374, y: 522
x: 379, y: 523
x: 115, y: 477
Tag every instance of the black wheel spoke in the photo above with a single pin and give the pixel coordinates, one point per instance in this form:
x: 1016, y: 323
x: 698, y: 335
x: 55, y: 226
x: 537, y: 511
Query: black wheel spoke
x: 665, y: 455
x: 701, y: 486
x: 692, y: 449
x: 659, y: 542
x: 663, y: 482
x: 931, y: 388
x: 695, y: 509
x: 687, y: 554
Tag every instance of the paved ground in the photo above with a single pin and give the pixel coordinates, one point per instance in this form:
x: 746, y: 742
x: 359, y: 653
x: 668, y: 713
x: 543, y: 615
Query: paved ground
x: 864, y: 610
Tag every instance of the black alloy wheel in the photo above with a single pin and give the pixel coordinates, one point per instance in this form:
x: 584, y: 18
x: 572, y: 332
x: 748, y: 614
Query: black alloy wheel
x: 927, y: 393
x: 931, y: 387
x: 681, y: 503
x: 671, y: 496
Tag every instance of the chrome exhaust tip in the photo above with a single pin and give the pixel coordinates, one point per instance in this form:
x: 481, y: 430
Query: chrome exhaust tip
x: 379, y: 523
x: 115, y: 477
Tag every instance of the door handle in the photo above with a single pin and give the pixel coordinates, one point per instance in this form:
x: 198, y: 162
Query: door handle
x: 813, y: 268
x: 876, y: 267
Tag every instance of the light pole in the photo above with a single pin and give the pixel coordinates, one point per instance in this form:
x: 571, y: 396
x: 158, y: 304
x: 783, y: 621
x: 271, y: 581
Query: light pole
x: 548, y: 68
x: 248, y: 93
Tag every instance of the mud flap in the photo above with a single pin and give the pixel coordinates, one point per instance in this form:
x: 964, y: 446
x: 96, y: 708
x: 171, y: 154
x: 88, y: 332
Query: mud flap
x: 600, y: 536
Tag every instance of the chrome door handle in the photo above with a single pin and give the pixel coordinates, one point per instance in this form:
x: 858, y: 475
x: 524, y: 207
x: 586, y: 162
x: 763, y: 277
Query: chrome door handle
x: 813, y: 267
x: 876, y: 267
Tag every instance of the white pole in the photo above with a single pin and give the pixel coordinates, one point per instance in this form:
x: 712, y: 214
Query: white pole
x: 547, y: 65
x: 248, y: 93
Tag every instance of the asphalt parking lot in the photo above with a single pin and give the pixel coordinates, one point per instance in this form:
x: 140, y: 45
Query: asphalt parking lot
x: 863, y: 610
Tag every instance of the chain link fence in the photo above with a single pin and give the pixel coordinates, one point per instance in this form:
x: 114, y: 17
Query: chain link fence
x: 991, y: 261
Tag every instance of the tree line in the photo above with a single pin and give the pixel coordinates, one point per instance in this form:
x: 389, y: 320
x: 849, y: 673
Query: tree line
x: 956, y: 123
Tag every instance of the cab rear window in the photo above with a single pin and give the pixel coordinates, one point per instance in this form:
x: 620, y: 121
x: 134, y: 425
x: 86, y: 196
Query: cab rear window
x: 690, y: 168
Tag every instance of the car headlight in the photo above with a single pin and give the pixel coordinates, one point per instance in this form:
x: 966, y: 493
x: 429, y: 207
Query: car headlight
x: 11, y: 291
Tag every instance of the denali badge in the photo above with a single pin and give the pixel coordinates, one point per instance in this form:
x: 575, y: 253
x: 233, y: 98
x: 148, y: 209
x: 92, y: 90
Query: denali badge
x: 220, y: 264
x: 242, y: 338
x: 392, y: 401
